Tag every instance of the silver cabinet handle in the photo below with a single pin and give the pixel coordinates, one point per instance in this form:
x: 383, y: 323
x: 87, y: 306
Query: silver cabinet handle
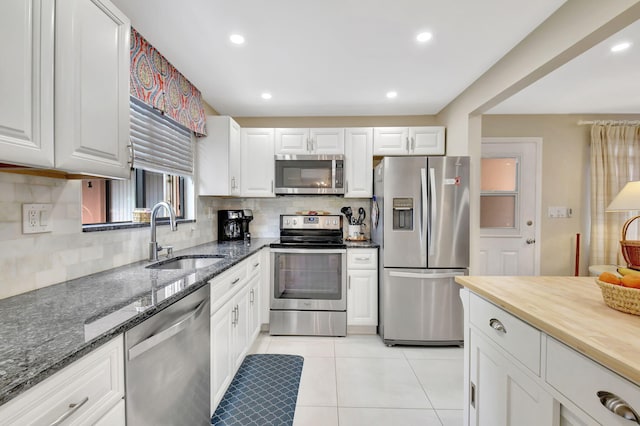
x: 362, y: 258
x: 407, y: 138
x: 472, y: 397
x: 234, y: 318
x: 272, y: 186
x: 168, y: 332
x: 237, y: 314
x: 618, y: 406
x: 413, y: 144
x: 497, y: 325
x: 349, y: 283
x: 234, y: 282
x: 251, y: 296
x: 73, y: 407
x: 256, y: 265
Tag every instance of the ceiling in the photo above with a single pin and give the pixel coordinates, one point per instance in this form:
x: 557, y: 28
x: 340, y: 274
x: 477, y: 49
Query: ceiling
x: 341, y: 57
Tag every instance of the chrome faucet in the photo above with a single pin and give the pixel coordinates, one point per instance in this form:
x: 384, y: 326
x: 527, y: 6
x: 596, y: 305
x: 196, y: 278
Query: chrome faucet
x: 154, y: 248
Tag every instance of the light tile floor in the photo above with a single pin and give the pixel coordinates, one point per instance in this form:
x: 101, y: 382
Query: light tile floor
x: 357, y: 380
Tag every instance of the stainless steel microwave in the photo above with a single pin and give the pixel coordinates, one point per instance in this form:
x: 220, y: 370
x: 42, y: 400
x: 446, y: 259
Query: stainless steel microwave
x: 309, y: 174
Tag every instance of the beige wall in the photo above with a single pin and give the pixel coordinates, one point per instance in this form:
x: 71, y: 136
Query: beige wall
x: 565, y: 163
x: 364, y: 121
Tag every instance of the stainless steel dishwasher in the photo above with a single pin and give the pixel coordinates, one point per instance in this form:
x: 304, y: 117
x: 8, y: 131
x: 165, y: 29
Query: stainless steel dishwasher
x: 167, y: 365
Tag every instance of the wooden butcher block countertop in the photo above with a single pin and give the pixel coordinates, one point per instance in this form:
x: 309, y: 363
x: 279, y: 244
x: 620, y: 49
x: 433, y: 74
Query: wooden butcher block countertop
x: 571, y: 310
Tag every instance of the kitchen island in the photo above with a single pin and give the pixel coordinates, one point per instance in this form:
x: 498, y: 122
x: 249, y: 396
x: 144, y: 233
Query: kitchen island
x: 555, y: 339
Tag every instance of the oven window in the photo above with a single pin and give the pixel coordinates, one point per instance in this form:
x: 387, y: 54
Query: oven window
x: 315, y: 276
x: 304, y: 174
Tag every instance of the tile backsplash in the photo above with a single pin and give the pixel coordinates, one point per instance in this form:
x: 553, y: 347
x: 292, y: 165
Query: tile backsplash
x: 32, y: 261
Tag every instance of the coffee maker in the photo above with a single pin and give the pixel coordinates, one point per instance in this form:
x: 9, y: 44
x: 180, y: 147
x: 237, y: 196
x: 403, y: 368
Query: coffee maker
x: 233, y: 225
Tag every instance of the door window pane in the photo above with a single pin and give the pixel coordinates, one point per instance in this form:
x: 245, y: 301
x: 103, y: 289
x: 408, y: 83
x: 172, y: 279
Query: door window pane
x: 497, y: 211
x: 499, y: 174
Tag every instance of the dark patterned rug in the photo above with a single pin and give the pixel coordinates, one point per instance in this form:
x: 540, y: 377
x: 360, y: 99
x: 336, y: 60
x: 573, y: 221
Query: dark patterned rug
x: 263, y: 392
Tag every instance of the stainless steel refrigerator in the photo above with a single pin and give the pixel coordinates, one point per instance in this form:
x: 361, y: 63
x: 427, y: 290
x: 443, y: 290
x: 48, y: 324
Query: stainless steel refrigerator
x: 423, y: 232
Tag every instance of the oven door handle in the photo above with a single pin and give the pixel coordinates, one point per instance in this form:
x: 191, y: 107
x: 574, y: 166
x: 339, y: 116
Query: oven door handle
x: 308, y: 251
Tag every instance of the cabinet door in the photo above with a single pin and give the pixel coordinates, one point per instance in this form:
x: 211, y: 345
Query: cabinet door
x: 218, y: 157
x: 426, y: 140
x: 258, y: 164
x: 26, y: 110
x: 254, y: 308
x: 390, y: 141
x: 221, y: 363
x: 358, y: 156
x: 500, y: 393
x: 240, y: 337
x: 115, y: 416
x: 292, y: 141
x: 265, y: 291
x: 362, y: 297
x: 327, y: 141
x: 92, y: 88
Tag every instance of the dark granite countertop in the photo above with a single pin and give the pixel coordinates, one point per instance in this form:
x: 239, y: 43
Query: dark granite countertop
x: 361, y: 244
x: 45, y: 330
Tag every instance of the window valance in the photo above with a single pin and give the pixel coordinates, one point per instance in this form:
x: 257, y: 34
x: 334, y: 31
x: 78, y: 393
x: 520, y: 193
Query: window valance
x: 160, y: 85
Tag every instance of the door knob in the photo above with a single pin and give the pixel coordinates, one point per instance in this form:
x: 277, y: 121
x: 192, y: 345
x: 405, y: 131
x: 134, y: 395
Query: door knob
x: 531, y: 241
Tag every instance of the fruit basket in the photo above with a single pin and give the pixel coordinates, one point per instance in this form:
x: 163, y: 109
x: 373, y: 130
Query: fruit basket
x: 624, y: 299
x: 630, y: 248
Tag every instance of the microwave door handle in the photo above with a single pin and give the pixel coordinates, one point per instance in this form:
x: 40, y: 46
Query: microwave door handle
x: 424, y: 228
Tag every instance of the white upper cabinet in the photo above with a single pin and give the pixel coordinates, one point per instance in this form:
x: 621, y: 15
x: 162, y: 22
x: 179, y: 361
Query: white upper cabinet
x: 428, y: 140
x: 257, y: 163
x: 358, y: 157
x: 309, y: 141
x: 218, y: 157
x: 26, y: 85
x: 92, y: 88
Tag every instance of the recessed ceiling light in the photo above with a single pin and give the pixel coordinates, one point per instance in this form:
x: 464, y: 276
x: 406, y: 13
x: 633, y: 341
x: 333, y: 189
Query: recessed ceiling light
x: 236, y: 39
x: 621, y: 46
x: 266, y: 95
x: 392, y: 94
x: 424, y: 37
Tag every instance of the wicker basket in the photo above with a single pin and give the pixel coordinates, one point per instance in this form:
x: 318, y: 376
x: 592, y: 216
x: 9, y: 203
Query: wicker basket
x: 630, y: 248
x: 624, y: 299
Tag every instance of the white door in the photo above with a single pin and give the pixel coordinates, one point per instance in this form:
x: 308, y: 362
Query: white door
x: 293, y: 141
x: 362, y: 297
x: 92, y: 88
x: 26, y: 85
x: 222, y: 323
x: 327, y: 141
x: 426, y: 140
x: 510, y: 206
x: 234, y: 158
x: 257, y: 170
x: 358, y: 167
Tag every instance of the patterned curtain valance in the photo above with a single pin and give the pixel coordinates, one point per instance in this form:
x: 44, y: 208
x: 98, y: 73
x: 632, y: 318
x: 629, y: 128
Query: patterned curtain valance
x: 159, y: 84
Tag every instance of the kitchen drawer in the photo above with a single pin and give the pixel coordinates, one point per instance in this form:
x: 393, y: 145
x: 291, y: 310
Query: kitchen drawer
x: 362, y: 258
x: 253, y: 265
x: 580, y: 379
x: 95, y: 384
x: 225, y: 285
x: 515, y: 336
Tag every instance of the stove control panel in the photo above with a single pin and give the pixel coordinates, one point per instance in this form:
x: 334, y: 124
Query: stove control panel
x: 310, y: 222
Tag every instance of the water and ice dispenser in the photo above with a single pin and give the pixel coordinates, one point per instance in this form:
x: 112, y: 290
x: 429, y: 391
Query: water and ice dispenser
x: 403, y: 214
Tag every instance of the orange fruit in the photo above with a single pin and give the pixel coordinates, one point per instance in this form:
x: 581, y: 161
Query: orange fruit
x: 610, y: 278
x: 631, y: 281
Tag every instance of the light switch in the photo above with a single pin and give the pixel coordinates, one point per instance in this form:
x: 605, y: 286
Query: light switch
x: 559, y: 212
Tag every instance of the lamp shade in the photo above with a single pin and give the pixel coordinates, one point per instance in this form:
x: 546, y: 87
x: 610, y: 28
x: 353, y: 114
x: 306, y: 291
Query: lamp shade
x: 627, y: 199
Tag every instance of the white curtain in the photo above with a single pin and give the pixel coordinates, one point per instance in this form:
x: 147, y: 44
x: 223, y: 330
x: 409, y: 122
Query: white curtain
x: 615, y: 160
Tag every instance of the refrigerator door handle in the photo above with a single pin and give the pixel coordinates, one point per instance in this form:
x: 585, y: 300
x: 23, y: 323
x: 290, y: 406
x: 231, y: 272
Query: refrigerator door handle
x: 433, y: 208
x: 419, y: 275
x: 424, y: 228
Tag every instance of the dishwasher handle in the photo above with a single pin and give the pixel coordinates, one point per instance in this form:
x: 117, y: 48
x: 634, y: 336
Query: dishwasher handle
x: 167, y: 333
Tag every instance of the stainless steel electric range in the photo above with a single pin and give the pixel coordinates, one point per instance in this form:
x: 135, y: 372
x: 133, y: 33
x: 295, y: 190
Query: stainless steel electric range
x: 308, y: 277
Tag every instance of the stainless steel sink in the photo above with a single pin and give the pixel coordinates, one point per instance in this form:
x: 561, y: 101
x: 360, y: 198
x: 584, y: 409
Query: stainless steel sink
x: 193, y: 261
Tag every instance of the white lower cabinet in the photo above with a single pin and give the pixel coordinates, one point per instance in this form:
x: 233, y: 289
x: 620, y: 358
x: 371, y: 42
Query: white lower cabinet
x: 500, y: 392
x: 362, y: 287
x: 89, y: 391
x: 235, y: 321
x: 517, y: 375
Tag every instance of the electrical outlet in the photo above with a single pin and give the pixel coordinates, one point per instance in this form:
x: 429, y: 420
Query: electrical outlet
x: 36, y: 218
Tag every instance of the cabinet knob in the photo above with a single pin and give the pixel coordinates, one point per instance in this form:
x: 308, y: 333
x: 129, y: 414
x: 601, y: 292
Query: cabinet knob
x: 618, y: 406
x: 497, y: 325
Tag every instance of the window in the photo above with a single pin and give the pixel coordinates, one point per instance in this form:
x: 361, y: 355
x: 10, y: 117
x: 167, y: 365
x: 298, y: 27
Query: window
x: 163, y: 165
x: 113, y: 201
x: 499, y: 193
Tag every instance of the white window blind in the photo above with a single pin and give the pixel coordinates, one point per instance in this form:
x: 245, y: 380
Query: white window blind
x: 159, y: 144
